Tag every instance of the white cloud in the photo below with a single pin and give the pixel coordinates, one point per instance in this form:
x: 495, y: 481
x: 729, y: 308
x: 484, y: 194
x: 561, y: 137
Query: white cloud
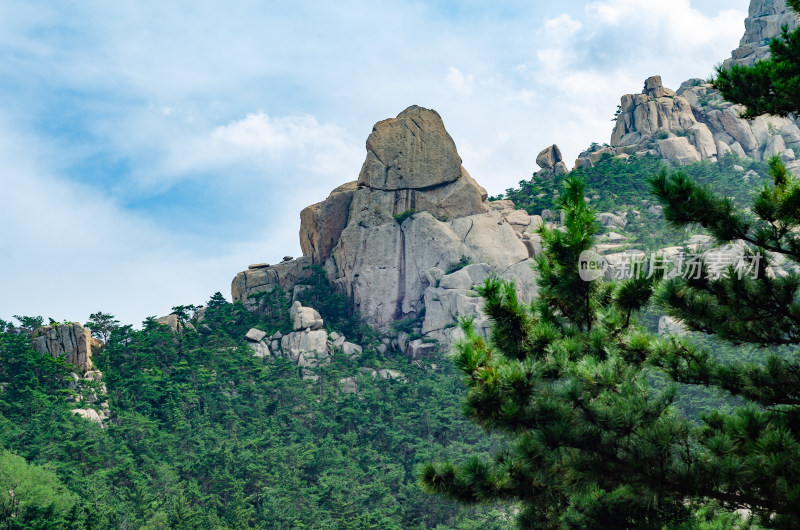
x: 459, y: 82
x: 68, y: 250
x: 562, y: 26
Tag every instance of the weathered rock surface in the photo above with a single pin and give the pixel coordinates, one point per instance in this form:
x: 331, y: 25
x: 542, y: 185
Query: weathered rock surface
x: 351, y: 349
x: 321, y: 224
x: 295, y: 343
x: 692, y: 124
x: 549, y: 157
x: 260, y: 349
x: 89, y: 414
x: 411, y: 151
x: 174, y: 324
x: 265, y: 279
x: 307, y: 318
x: 763, y: 23
x: 255, y: 335
x: 413, y: 210
x: 71, y: 341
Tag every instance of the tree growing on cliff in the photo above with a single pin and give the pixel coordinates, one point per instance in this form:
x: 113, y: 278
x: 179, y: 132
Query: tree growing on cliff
x: 770, y: 86
x: 590, y: 443
x: 102, y: 324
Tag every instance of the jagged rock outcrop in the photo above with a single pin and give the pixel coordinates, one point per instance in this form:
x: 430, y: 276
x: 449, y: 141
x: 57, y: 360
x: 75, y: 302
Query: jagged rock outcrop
x: 693, y: 124
x: 74, y: 343
x: 265, y: 278
x: 764, y: 22
x: 414, y: 209
x: 71, y: 341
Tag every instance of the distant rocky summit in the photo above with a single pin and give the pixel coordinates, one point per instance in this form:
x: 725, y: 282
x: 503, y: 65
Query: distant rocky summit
x: 693, y: 124
x: 763, y: 23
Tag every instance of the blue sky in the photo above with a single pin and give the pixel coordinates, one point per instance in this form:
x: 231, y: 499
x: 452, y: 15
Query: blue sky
x: 151, y: 150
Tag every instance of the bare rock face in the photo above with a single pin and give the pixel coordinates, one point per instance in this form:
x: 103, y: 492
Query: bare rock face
x: 174, y: 324
x: 411, y: 151
x: 655, y: 114
x: 321, y: 224
x: 549, y: 157
x: 264, y: 279
x: 692, y: 124
x: 414, y: 209
x: 307, y: 318
x: 763, y: 24
x: 72, y: 341
x: 678, y: 149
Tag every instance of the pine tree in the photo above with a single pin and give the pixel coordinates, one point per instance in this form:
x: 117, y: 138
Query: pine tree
x: 770, y: 86
x: 751, y: 458
x: 590, y: 443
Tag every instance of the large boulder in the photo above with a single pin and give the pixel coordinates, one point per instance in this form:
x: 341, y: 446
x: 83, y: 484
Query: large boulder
x: 307, y: 341
x: 549, y: 157
x: 678, y: 149
x: 307, y: 318
x: 411, y: 151
x: 71, y: 341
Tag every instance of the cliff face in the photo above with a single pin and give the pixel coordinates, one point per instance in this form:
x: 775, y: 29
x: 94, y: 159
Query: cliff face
x: 71, y: 341
x: 763, y: 23
x: 413, y: 216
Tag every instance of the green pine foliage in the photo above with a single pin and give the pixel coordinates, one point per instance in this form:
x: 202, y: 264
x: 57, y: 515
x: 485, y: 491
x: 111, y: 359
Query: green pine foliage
x: 588, y: 441
x: 205, y: 435
x: 749, y: 458
x: 616, y: 184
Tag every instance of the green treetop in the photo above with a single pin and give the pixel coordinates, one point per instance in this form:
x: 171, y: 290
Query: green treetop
x: 589, y: 443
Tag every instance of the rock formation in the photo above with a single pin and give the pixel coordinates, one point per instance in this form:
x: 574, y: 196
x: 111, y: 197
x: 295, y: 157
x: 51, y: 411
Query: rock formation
x: 550, y: 159
x: 694, y: 124
x: 413, y: 215
x: 72, y: 341
x: 264, y: 278
x: 763, y: 23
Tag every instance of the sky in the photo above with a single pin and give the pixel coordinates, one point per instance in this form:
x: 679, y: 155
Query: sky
x: 150, y: 150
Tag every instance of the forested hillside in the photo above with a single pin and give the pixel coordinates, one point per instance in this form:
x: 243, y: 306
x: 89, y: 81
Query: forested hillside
x: 205, y: 435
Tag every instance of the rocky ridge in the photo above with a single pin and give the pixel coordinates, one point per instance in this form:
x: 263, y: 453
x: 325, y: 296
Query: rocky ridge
x: 691, y: 124
x: 764, y: 22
